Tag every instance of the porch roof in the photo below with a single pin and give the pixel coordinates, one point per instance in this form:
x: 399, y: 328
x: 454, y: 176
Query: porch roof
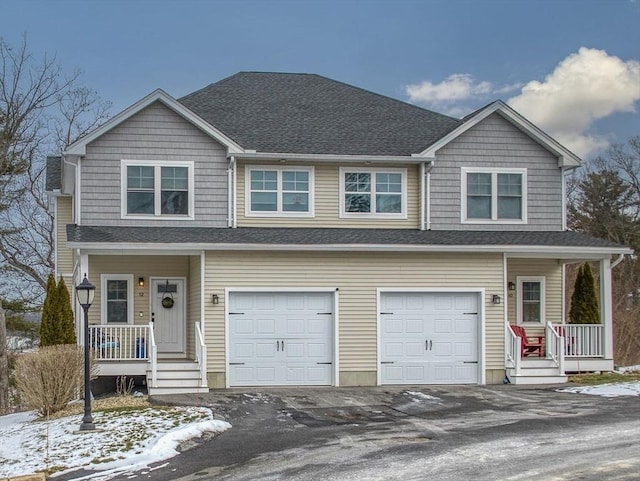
x: 245, y: 238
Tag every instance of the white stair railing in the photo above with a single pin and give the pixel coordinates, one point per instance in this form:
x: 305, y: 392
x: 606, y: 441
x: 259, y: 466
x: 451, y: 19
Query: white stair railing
x: 513, y: 346
x: 201, y: 355
x: 153, y: 356
x: 554, y: 346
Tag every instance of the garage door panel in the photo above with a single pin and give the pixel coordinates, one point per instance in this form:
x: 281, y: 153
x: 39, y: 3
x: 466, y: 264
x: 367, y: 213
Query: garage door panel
x: 279, y: 338
x: 448, y: 321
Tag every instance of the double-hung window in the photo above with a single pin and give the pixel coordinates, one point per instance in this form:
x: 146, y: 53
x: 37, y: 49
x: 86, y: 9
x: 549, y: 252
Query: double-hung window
x: 117, y: 298
x: 275, y: 191
x: 373, y: 193
x: 490, y: 195
x: 530, y: 299
x: 157, y: 189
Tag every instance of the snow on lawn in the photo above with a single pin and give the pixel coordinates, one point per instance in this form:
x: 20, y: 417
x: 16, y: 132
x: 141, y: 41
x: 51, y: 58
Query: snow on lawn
x: 631, y: 388
x: 130, y: 440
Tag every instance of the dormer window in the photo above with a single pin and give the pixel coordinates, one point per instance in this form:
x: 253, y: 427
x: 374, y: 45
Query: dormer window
x: 494, y: 196
x: 157, y: 189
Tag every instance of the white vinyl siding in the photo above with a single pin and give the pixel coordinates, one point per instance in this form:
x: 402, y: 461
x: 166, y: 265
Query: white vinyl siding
x: 357, y: 276
x: 327, y: 202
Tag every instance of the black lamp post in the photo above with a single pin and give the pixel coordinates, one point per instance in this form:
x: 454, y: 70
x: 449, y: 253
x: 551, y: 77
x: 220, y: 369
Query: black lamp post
x: 85, y: 292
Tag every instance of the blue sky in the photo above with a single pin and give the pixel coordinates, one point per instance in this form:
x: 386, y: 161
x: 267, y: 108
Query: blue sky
x: 571, y: 66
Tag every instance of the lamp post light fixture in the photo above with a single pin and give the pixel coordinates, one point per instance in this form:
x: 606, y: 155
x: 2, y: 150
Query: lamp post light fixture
x: 85, y: 292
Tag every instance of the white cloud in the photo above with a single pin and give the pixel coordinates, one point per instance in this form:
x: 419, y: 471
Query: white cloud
x: 584, y: 87
x: 455, y: 89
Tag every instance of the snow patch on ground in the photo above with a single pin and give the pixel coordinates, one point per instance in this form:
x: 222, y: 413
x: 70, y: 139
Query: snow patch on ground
x: 127, y: 442
x: 421, y: 395
x: 631, y: 388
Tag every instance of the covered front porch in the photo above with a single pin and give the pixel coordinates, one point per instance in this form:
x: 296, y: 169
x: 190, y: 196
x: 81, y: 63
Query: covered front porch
x: 146, y: 319
x: 541, y: 347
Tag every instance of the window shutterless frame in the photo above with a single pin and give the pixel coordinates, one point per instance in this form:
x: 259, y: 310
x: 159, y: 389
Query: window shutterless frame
x: 153, y: 189
x: 117, y: 290
x: 492, y: 195
x: 373, y: 193
x: 275, y: 191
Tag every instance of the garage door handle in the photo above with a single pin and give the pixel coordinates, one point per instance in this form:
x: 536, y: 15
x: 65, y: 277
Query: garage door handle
x: 470, y: 313
x: 236, y: 313
x: 325, y: 313
x: 470, y: 362
x: 387, y: 362
x: 428, y: 345
x: 386, y: 313
x: 236, y: 364
x: 324, y: 363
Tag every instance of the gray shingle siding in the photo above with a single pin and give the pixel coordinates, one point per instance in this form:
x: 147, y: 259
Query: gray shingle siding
x: 311, y: 114
x: 53, y: 179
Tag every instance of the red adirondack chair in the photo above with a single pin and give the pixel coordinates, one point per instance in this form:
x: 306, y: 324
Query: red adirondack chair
x: 531, y: 345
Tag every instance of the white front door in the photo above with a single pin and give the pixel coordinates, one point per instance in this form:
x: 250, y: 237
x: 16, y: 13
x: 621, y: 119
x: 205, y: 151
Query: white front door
x: 168, y: 312
x: 429, y: 338
x: 280, y: 338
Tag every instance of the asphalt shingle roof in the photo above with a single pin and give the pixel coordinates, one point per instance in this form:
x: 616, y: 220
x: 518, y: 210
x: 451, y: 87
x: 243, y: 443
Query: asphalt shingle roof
x: 361, y: 237
x: 53, y: 179
x: 311, y: 114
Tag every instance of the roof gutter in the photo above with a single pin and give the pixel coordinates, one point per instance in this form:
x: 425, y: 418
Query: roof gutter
x: 276, y: 156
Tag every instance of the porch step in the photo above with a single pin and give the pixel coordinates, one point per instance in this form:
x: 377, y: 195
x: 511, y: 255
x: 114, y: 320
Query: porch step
x: 526, y: 379
x: 176, y: 377
x: 537, y: 371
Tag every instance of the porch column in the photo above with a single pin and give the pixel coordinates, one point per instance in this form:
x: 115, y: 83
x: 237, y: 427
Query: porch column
x: 606, y: 309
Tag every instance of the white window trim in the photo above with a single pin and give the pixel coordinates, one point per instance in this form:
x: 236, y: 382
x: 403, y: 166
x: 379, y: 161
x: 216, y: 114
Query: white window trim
x: 494, y: 195
x: 158, y: 164
x: 519, y: 281
x: 103, y: 297
x: 373, y: 214
x: 279, y: 212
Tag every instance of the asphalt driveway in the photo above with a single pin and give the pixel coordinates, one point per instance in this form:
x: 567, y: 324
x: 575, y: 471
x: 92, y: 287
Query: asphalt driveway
x: 412, y: 433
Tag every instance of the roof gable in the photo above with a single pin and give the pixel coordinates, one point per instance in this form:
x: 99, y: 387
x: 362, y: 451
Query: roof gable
x: 158, y: 95
x: 311, y: 114
x: 566, y: 158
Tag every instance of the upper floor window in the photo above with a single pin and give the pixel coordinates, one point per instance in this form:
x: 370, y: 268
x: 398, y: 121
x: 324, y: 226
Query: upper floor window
x: 153, y: 189
x: 373, y: 193
x: 274, y: 191
x: 494, y: 196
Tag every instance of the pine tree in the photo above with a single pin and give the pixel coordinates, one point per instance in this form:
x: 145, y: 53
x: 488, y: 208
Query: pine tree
x: 48, y: 323
x: 584, y: 301
x: 65, y: 315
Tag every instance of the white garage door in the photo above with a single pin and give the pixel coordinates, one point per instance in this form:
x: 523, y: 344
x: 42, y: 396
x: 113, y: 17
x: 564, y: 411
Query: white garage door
x: 429, y: 338
x: 280, y: 338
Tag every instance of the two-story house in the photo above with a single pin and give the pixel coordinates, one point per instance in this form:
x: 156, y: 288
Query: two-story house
x: 289, y: 229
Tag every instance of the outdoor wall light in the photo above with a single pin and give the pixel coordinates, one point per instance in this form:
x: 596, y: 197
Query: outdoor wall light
x: 141, y: 281
x: 496, y: 299
x: 512, y: 286
x: 215, y: 299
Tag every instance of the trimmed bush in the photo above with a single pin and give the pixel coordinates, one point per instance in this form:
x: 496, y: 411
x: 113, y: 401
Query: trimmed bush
x: 48, y: 333
x: 65, y: 314
x: 584, y: 301
x: 48, y: 379
x: 57, y: 325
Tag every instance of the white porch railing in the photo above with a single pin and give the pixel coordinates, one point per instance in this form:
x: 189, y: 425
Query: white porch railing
x: 201, y: 355
x: 153, y: 348
x: 513, y: 347
x: 554, y: 346
x: 119, y: 343
x: 582, y: 340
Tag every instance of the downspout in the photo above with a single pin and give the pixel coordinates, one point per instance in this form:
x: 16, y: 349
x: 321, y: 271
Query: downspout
x: 76, y: 209
x: 428, y: 193
x: 564, y: 199
x: 422, y: 197
x: 231, y: 192
x: 235, y: 189
x: 617, y: 261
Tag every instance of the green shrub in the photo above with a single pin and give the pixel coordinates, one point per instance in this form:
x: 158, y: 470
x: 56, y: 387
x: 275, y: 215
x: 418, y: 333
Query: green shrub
x: 584, y: 301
